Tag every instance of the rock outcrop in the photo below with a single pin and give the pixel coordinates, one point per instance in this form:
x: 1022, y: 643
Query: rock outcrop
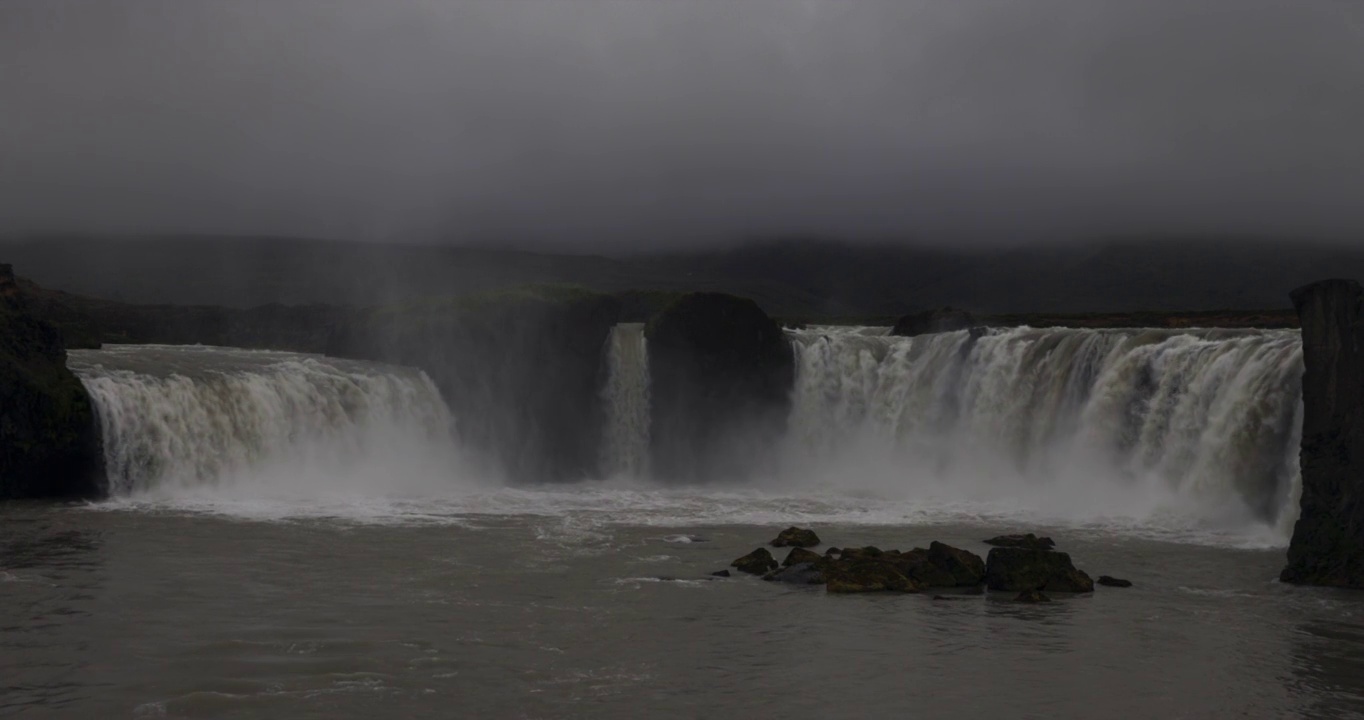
x: 49, y: 439
x: 1030, y: 541
x: 801, y: 555
x: 965, y: 568
x: 721, y: 372
x: 796, y: 537
x: 758, y: 562
x: 1328, y: 540
x: 945, y: 319
x: 1020, y: 569
x: 867, y: 575
x: 798, y: 574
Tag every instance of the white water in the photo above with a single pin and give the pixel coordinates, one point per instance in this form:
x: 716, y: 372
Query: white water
x: 1078, y: 425
x: 253, y: 425
x: 625, y: 441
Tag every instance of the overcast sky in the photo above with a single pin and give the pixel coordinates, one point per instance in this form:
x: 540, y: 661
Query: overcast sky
x: 642, y: 122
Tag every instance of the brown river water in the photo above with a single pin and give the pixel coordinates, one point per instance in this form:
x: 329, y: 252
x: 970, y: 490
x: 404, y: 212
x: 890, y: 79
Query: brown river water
x: 131, y: 610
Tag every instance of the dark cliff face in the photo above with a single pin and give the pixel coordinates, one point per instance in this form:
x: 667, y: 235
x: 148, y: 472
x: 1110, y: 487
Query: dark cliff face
x: 49, y: 440
x: 1328, y: 540
x: 721, y: 372
x: 521, y: 372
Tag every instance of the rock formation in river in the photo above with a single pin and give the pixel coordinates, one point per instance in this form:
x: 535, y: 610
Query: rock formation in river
x: 1328, y: 541
x: 1021, y: 569
x: 49, y: 441
x: 721, y: 372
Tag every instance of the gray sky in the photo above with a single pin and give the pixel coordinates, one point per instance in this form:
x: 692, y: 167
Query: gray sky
x: 644, y: 122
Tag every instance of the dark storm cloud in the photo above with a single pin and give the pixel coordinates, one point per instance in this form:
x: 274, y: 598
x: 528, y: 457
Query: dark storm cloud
x: 645, y: 121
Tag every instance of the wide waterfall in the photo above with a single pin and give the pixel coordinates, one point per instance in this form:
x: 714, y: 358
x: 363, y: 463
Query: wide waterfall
x: 190, y: 418
x: 1206, y: 417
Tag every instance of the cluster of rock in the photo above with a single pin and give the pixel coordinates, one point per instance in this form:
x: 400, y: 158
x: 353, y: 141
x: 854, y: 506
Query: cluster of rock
x: 1024, y: 564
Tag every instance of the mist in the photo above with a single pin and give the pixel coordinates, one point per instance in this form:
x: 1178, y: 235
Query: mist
x: 616, y: 125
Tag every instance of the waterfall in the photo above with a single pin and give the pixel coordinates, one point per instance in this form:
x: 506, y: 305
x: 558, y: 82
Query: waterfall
x: 182, y: 418
x: 625, y: 441
x: 1205, y: 416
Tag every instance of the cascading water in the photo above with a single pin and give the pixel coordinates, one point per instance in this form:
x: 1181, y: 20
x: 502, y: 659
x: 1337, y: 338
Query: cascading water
x: 1205, y: 417
x: 625, y: 440
x: 193, y: 418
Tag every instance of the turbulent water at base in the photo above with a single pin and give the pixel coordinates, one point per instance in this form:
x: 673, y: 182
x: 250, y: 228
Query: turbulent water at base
x: 1202, y: 420
x: 186, y: 418
x: 625, y: 442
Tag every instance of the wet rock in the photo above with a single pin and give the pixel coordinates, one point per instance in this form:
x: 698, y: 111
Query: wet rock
x: 1020, y: 569
x: 869, y: 551
x: 1029, y: 541
x: 1328, y: 539
x: 917, y: 566
x: 1069, y: 581
x: 804, y: 573
x: 720, y: 574
x: 867, y: 575
x: 49, y: 437
x: 966, y: 568
x: 953, y: 598
x: 758, y: 562
x: 1110, y: 581
x: 801, y: 555
x: 832, y: 551
x: 796, y: 537
x: 1032, y: 596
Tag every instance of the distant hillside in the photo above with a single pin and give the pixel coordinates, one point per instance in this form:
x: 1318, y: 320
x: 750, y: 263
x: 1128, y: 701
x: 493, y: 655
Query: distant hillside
x: 792, y: 278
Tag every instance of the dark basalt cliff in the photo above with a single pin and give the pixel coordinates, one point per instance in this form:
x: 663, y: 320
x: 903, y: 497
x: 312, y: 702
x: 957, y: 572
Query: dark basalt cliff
x: 720, y: 381
x: 521, y: 371
x: 1328, y: 540
x: 49, y: 440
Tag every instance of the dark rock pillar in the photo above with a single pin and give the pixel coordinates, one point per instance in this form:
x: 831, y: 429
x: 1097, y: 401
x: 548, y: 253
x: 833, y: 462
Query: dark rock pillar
x: 721, y: 372
x: 1328, y: 540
